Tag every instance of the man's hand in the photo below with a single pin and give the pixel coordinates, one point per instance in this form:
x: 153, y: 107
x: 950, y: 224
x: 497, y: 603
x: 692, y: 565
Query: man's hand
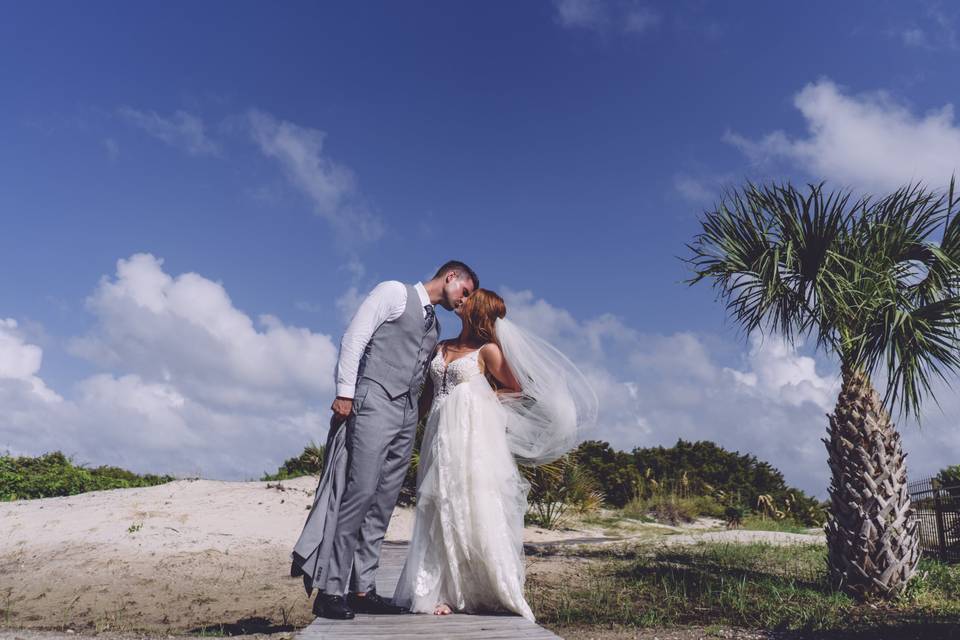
x: 341, y: 409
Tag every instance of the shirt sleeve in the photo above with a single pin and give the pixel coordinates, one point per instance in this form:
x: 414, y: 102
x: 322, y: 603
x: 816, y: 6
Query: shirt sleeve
x: 385, y: 303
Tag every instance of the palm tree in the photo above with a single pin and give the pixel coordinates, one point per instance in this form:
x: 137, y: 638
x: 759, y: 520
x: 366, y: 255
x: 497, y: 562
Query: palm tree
x: 867, y: 279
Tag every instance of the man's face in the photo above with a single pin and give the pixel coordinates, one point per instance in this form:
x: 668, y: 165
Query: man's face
x: 455, y: 291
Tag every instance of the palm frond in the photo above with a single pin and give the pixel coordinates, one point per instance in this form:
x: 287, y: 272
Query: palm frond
x: 772, y: 254
x: 920, y: 346
x: 865, y: 277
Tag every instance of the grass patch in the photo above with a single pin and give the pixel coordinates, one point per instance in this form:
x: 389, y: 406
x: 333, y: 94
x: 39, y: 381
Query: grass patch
x: 786, y: 525
x: 756, y: 586
x: 244, y: 627
x: 614, y: 520
x: 673, y: 509
x: 53, y: 474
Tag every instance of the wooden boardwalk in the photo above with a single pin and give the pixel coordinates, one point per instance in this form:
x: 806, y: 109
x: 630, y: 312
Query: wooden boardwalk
x: 423, y: 626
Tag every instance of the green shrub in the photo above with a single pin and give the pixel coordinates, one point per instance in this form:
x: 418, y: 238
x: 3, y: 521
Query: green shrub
x: 637, y: 509
x: 672, y: 512
x: 308, y: 463
x: 614, y: 471
x: 949, y: 475
x: 704, y: 506
x: 557, y: 488
x: 54, y: 474
x: 691, y: 469
x: 672, y: 509
x: 734, y: 514
x: 408, y: 491
x: 949, y: 479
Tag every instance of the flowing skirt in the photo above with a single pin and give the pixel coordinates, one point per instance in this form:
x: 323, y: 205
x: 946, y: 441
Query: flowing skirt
x: 467, y: 544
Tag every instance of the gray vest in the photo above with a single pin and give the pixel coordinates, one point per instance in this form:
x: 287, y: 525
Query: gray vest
x: 397, y: 355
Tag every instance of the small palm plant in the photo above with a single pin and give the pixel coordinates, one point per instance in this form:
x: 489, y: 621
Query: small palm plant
x: 868, y: 279
x: 557, y: 488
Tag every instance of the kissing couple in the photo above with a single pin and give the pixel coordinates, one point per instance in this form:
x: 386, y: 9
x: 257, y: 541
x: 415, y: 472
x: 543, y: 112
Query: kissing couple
x: 495, y: 396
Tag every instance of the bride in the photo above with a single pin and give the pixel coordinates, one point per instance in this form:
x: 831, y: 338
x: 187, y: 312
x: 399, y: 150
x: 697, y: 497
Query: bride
x: 496, y: 396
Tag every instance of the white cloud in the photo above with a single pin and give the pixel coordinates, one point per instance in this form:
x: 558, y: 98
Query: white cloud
x: 191, y: 384
x: 550, y: 322
x: 868, y: 141
x: 182, y: 130
x: 185, y: 330
x: 330, y: 186
x: 779, y: 373
x: 656, y: 388
x: 20, y: 362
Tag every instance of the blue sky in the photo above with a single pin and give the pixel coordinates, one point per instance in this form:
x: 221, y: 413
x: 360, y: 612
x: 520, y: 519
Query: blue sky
x: 194, y: 196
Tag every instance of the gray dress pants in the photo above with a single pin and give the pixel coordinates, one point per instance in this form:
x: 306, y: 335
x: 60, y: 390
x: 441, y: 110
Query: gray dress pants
x: 380, y: 436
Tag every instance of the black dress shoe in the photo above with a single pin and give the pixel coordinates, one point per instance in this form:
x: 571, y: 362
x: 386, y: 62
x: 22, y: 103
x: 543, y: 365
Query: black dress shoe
x: 373, y: 603
x: 332, y: 607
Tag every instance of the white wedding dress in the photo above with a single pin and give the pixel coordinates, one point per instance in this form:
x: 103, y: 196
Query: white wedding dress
x: 467, y: 545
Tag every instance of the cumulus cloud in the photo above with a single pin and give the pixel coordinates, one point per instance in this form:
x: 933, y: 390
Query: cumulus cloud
x: 185, y: 330
x: 20, y: 362
x: 778, y: 372
x: 331, y: 187
x: 182, y: 130
x: 190, y: 384
x: 770, y: 401
x: 867, y: 141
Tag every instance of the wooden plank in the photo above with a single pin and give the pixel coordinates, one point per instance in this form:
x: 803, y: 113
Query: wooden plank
x: 421, y: 626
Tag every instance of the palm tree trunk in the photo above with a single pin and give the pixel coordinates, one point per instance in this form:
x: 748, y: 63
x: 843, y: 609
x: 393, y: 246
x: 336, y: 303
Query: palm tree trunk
x: 873, y: 547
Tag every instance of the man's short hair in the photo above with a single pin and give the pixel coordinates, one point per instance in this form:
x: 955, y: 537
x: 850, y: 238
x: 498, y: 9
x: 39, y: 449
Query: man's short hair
x: 461, y: 268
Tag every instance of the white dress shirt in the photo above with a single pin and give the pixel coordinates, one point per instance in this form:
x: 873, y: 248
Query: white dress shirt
x: 385, y: 303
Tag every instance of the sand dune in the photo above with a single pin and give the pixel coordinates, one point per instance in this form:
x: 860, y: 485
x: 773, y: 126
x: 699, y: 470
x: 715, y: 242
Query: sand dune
x: 170, y: 558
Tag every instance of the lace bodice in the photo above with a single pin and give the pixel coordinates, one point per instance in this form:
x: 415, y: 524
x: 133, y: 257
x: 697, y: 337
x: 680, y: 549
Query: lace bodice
x: 445, y: 377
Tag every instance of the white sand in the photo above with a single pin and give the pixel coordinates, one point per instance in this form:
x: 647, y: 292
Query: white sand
x: 186, y: 516
x: 171, y: 558
x: 192, y: 553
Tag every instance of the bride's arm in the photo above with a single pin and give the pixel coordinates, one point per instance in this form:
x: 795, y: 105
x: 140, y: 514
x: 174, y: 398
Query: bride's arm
x: 493, y: 362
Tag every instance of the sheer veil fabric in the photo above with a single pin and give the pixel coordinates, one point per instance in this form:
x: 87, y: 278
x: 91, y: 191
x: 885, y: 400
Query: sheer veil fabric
x: 556, y: 403
x: 467, y: 544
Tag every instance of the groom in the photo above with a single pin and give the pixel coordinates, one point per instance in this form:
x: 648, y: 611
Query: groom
x: 383, y: 361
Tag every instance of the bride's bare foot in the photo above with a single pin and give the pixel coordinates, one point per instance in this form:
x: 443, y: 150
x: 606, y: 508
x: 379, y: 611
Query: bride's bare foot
x: 442, y: 610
